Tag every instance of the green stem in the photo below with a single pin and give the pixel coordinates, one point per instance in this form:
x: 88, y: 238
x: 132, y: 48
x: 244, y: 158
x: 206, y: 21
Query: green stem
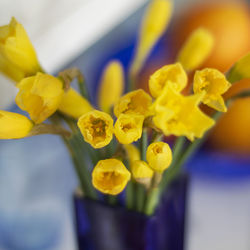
x: 140, y: 190
x: 83, y: 88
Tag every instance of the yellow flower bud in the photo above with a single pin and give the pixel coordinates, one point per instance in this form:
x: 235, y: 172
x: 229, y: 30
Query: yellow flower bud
x: 128, y: 128
x: 155, y: 22
x: 136, y: 102
x: 196, y: 49
x: 73, y: 104
x: 172, y: 74
x: 240, y: 70
x: 13, y: 125
x: 96, y: 128
x: 17, y: 56
x: 159, y: 156
x: 40, y: 96
x: 110, y: 176
x: 133, y: 154
x: 141, y: 170
x: 111, y: 87
x: 214, y: 84
x: 180, y: 115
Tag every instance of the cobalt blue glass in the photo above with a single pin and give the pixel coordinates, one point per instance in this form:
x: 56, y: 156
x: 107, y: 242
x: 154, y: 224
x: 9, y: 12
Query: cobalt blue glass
x: 103, y: 227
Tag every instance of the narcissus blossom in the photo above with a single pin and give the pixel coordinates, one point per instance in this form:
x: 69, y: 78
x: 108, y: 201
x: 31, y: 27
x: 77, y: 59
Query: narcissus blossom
x: 214, y: 84
x: 110, y: 176
x: 13, y: 125
x: 159, y: 156
x: 39, y: 95
x: 180, y: 115
x: 111, y: 86
x: 17, y: 56
x: 96, y: 128
x: 136, y: 102
x: 172, y: 74
x: 196, y: 49
x: 128, y: 128
x: 73, y: 104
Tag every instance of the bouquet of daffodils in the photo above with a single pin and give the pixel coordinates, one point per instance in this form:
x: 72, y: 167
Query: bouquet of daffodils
x: 119, y: 145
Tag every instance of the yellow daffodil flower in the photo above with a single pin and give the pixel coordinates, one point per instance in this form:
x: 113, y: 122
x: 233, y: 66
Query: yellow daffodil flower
x: 13, y: 125
x: 133, y: 154
x: 135, y: 102
x: 110, y: 176
x: 128, y: 128
x: 172, y: 74
x: 178, y: 115
x: 214, y: 84
x: 111, y: 87
x: 155, y: 22
x: 159, y: 156
x: 17, y: 56
x: 96, y: 128
x: 73, y: 104
x: 240, y: 70
x: 141, y: 170
x: 40, y: 96
x: 196, y: 49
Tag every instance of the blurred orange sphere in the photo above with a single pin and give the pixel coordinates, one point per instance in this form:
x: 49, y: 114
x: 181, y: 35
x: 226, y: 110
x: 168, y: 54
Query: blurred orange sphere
x: 230, y: 24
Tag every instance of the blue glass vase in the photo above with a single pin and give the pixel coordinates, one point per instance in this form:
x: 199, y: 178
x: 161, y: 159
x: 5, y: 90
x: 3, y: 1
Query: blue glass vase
x: 103, y: 227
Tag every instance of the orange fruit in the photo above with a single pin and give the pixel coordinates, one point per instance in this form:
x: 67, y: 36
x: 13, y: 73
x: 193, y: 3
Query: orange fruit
x: 229, y: 22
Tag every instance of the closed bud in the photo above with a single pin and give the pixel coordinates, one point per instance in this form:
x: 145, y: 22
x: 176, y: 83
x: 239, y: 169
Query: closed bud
x: 40, y: 96
x: 14, y: 126
x: 111, y: 86
x: 73, y: 104
x: 133, y: 154
x: 155, y: 22
x: 110, y: 176
x: 240, y: 70
x: 142, y: 173
x: 196, y: 49
x: 17, y: 56
x: 159, y: 156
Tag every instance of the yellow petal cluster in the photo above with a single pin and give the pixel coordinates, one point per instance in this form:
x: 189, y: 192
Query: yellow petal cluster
x: 17, y: 56
x: 196, y: 49
x: 111, y: 86
x: 136, y: 102
x: 96, y: 128
x: 73, y: 104
x: 180, y: 115
x: 240, y: 69
x: 214, y: 84
x: 172, y: 74
x: 39, y: 95
x: 13, y: 125
x: 155, y: 22
x: 133, y: 154
x: 159, y: 156
x: 141, y: 170
x: 128, y: 128
x: 110, y: 176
